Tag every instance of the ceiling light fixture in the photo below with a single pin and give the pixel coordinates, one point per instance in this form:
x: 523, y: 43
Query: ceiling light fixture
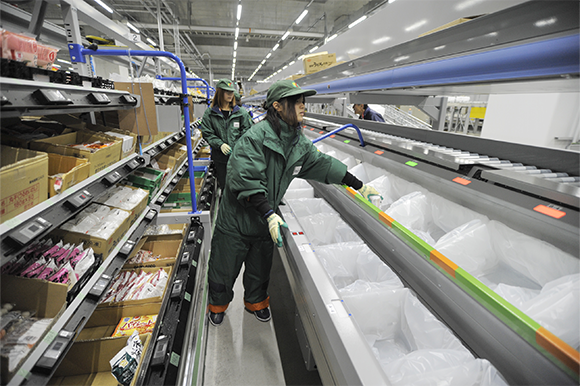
x: 151, y: 42
x: 263, y: 61
x: 237, y: 32
x: 132, y: 27
x: 312, y: 50
x: 416, y: 25
x: 269, y: 54
x: 234, y: 60
x: 301, y: 57
x: 239, y: 11
x: 109, y: 9
x: 381, y: 40
x: 292, y: 62
x: 235, y: 54
x: 332, y: 37
x: 285, y: 35
x: 359, y: 20
x: 285, y: 67
x: 56, y: 65
x: 235, y: 45
x: 302, y: 16
x: 276, y: 47
x: 64, y: 61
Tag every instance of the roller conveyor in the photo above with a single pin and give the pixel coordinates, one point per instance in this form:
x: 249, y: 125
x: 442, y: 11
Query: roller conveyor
x: 491, y: 327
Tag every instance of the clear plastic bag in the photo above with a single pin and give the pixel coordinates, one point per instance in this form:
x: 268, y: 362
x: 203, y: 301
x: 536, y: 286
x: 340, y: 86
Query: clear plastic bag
x: 448, y: 215
x: 537, y: 260
x: 308, y: 206
x: 470, y: 247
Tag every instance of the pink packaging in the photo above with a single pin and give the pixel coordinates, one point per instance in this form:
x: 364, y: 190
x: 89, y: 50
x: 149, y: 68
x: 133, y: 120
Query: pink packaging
x: 46, y: 56
x: 20, y: 48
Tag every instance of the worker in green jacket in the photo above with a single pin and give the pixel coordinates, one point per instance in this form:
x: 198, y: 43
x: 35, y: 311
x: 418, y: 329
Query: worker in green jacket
x: 239, y: 103
x: 264, y: 162
x: 222, y: 124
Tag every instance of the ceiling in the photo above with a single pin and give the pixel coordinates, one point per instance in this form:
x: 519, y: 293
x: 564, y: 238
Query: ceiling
x: 206, y: 30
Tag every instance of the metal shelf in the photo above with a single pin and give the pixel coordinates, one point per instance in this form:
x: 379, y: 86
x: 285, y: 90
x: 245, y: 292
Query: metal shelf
x: 26, y: 97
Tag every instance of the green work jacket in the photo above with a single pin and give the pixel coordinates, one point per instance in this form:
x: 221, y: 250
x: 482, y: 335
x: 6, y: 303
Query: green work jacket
x: 262, y: 162
x: 217, y: 130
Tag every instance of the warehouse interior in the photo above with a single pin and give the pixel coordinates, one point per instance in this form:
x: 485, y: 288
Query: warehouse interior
x: 465, y: 272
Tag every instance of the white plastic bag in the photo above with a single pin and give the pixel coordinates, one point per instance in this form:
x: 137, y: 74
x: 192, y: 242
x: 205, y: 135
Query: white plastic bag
x: 448, y: 215
x: 470, y: 247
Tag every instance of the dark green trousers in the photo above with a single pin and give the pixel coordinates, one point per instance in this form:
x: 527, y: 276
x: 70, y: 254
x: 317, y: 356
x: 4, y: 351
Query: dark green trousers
x: 228, y: 253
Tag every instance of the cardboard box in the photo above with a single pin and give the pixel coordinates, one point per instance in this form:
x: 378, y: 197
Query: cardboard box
x: 99, y: 245
x: 87, y: 362
x: 179, y: 234
x: 145, y: 121
x: 104, y: 320
x: 99, y: 159
x: 156, y: 299
x: 72, y: 170
x: 24, y: 180
x: 167, y: 249
x: 316, y: 62
x: 47, y: 299
x: 450, y: 24
x: 135, y: 211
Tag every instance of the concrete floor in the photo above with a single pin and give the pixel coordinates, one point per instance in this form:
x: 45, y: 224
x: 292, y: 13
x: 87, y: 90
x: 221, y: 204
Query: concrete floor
x: 245, y: 351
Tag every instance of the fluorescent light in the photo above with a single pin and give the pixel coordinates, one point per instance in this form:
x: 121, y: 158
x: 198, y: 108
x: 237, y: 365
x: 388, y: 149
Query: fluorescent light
x: 276, y: 47
x: 56, y: 65
x: 332, y: 37
x: 237, y: 32
x: 239, y: 11
x: 269, y: 54
x: 235, y: 45
x: 359, y: 20
x: 235, y: 53
x: 64, y: 61
x: 260, y: 66
x: 302, y: 16
x: 151, y: 42
x: 285, y: 67
x: 401, y: 58
x: 285, y: 35
x: 312, y: 49
x: 262, y: 62
x: 545, y: 22
x: 234, y: 61
x: 109, y: 9
x: 416, y: 25
x: 70, y: 68
x: 132, y: 27
x: 439, y: 47
x: 301, y: 57
x: 381, y: 40
x: 292, y: 62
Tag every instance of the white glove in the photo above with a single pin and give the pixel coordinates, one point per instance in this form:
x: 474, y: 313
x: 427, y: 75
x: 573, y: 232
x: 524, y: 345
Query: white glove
x: 274, y: 224
x: 368, y: 192
x: 225, y: 148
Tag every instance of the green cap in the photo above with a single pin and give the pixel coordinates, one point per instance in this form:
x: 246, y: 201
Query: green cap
x: 237, y: 95
x: 283, y: 89
x: 225, y: 84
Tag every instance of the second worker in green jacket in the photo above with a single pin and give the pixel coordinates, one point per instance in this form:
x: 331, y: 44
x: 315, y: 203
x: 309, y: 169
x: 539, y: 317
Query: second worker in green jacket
x: 222, y: 124
x: 264, y: 162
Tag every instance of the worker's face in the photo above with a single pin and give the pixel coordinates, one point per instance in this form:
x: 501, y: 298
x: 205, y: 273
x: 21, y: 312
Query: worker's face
x: 358, y: 109
x: 300, y: 109
x: 228, y: 96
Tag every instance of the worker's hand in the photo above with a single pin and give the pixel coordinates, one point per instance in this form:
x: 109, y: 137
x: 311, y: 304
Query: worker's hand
x: 274, y: 224
x: 225, y: 148
x: 368, y: 192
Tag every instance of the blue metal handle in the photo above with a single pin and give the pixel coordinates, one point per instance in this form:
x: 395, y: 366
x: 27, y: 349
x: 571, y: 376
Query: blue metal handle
x: 362, y: 142
x: 207, y: 86
x: 77, y: 53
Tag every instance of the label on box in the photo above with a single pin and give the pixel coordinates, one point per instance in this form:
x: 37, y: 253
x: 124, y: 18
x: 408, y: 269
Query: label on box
x: 20, y: 201
x: 141, y: 324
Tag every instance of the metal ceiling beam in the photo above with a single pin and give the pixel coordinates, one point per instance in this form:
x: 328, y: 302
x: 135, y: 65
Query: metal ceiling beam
x: 232, y: 30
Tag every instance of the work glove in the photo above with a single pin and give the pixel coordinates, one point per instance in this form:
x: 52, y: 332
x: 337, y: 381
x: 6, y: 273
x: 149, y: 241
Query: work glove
x: 225, y: 148
x: 274, y: 224
x: 368, y: 192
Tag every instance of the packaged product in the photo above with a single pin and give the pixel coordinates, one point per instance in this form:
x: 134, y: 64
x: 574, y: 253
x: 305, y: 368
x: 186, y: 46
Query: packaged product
x: 130, y: 324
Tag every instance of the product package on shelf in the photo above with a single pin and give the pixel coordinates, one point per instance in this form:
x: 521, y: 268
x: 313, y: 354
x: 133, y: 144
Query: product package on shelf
x: 57, y: 263
x: 154, y: 253
x: 20, y: 48
x: 30, y: 307
x: 88, y: 362
x: 165, y: 230
x: 96, y: 226
x: 138, y: 286
x: 46, y: 56
x: 65, y: 171
x: 105, y: 320
x: 146, y: 178
x: 100, y: 150
x: 131, y: 199
x: 24, y: 180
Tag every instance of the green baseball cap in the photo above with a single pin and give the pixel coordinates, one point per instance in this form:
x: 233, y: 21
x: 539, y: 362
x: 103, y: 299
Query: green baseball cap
x: 225, y: 84
x: 283, y: 89
x: 237, y: 95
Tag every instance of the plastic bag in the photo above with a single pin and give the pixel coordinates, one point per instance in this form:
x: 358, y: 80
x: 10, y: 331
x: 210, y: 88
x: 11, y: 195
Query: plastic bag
x: 470, y: 247
x: 448, y: 215
x: 340, y: 260
x: 557, y: 308
x: 308, y: 206
x: 124, y: 364
x: 371, y: 268
x: 536, y: 259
